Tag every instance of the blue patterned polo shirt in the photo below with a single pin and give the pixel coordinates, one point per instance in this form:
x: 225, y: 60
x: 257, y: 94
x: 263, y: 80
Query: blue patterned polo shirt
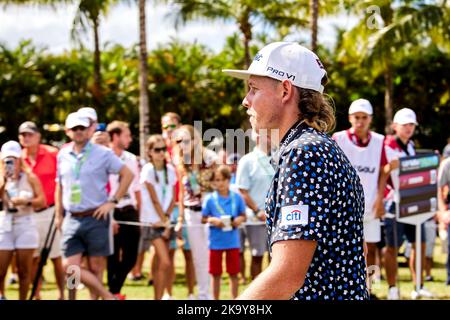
x: 316, y: 195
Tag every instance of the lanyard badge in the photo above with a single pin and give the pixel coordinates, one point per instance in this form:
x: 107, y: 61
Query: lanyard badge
x: 75, y: 188
x: 75, y: 193
x: 226, y: 218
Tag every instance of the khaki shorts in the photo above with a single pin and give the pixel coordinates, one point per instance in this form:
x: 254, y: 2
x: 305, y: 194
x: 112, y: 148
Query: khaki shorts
x: 43, y: 220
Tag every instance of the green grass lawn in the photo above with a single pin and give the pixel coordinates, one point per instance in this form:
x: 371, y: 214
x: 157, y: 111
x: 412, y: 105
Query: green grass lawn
x: 139, y: 290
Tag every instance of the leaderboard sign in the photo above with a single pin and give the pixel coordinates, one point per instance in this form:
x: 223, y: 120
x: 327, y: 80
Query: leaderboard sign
x: 418, y: 185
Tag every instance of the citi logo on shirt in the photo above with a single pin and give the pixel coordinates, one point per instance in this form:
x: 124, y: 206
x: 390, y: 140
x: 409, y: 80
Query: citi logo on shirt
x: 294, y: 215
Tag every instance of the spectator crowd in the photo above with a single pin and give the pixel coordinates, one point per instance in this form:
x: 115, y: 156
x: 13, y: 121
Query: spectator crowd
x: 110, y: 209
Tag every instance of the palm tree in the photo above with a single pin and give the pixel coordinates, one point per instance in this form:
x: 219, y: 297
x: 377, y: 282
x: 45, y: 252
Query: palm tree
x: 144, y: 110
x: 378, y: 45
x: 87, y: 18
x: 314, y: 9
x: 318, y: 8
x: 244, y: 12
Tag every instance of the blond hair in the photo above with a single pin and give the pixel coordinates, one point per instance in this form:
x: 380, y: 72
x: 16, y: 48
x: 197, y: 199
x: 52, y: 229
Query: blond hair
x: 316, y: 110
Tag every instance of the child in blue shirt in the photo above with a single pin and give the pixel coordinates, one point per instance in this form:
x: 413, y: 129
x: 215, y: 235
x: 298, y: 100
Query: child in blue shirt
x: 224, y: 210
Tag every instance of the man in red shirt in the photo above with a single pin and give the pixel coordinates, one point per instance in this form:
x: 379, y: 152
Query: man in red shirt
x: 42, y: 160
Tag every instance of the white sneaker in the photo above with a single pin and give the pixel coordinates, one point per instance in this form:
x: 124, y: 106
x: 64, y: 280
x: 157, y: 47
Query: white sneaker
x: 191, y: 297
x: 425, y: 293
x: 393, y: 294
x: 166, y: 297
x: 415, y: 295
x: 81, y: 286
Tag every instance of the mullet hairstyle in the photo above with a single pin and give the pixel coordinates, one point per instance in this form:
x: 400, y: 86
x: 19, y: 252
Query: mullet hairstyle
x: 316, y: 109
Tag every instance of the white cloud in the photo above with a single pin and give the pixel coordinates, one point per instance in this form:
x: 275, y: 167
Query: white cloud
x: 51, y: 28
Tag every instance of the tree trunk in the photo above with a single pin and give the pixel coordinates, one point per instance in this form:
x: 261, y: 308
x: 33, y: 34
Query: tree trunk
x: 388, y: 97
x: 314, y: 11
x: 246, y: 29
x: 144, y: 110
x: 97, y: 90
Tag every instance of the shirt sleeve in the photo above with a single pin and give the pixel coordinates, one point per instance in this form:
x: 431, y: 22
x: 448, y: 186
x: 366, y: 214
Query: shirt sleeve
x: 241, y: 205
x: 206, y: 210
x: 150, y: 175
x: 136, y: 187
x: 304, y: 194
x: 114, y: 164
x: 143, y: 174
x: 58, y: 169
x: 243, y: 175
x: 444, y: 174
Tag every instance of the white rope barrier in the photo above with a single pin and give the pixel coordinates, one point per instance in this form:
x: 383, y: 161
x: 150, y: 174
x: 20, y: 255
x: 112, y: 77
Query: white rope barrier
x: 36, y: 218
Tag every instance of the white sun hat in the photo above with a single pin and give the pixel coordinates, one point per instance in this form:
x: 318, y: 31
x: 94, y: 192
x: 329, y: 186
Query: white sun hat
x: 405, y: 116
x: 361, y: 105
x: 286, y: 61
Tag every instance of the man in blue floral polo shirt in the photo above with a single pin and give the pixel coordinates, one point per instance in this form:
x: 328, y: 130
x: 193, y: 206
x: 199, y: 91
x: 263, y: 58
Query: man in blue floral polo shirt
x: 315, y: 204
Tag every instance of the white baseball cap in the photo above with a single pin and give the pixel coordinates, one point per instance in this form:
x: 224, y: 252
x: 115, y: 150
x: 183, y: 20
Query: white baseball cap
x: 89, y: 113
x: 76, y: 119
x: 11, y: 149
x: 361, y: 105
x: 286, y: 61
x: 405, y: 116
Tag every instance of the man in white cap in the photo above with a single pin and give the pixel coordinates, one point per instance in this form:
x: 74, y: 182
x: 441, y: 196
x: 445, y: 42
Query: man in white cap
x: 365, y: 150
x: 96, y: 136
x: 315, y: 204
x: 397, y: 146
x: 91, y: 114
x: 83, y: 171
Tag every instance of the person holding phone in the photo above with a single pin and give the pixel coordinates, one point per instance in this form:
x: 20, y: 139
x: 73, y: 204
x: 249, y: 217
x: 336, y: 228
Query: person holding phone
x: 22, y: 193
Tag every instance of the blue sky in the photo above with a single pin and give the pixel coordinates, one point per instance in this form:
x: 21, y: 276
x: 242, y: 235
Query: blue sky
x: 51, y: 28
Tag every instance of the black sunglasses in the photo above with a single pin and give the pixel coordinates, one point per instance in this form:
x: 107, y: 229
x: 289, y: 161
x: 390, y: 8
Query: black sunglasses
x: 158, y: 150
x: 78, y: 128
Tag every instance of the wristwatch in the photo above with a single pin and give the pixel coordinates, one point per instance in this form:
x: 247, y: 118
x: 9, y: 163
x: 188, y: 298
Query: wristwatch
x: 113, y: 199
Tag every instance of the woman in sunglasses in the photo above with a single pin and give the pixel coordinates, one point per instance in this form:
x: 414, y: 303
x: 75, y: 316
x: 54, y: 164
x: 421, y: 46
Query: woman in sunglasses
x: 22, y: 193
x: 158, y: 179
x: 196, y: 166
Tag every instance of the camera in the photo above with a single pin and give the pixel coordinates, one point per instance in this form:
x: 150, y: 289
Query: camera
x: 101, y: 127
x: 9, y: 168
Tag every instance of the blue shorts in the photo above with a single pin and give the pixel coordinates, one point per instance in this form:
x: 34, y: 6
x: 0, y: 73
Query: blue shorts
x: 173, y: 242
x: 86, y: 235
x: 404, y: 231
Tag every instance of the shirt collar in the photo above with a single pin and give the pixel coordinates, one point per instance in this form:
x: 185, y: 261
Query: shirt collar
x: 89, y: 143
x: 353, y: 138
x: 291, y: 131
x: 40, y: 152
